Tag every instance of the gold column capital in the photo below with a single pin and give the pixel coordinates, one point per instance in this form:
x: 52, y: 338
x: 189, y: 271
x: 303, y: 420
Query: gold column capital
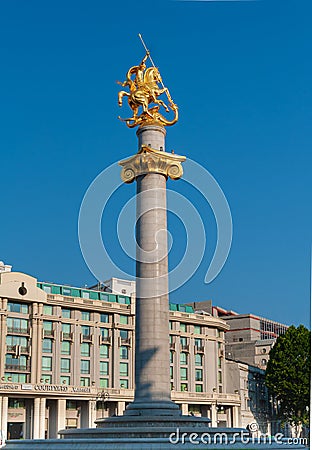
x: 149, y: 160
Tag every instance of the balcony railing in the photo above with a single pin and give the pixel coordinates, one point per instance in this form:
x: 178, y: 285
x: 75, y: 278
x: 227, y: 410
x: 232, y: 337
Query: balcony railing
x: 18, y: 330
x: 48, y: 333
x: 18, y: 367
x: 199, y: 348
x: 185, y: 347
x: 67, y: 336
x: 17, y: 349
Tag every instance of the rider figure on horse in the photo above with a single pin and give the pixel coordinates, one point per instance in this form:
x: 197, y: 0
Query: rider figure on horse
x: 139, y: 74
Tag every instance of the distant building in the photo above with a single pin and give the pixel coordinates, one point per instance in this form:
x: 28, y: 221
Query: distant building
x: 250, y: 337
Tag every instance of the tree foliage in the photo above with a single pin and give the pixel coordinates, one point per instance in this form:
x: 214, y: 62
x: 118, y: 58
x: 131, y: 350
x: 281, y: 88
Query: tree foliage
x: 288, y: 374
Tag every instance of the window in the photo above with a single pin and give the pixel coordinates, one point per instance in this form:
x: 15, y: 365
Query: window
x: 85, y: 350
x: 170, y: 325
x: 197, y: 329
x: 183, y: 358
x: 18, y: 307
x: 171, y: 372
x: 65, y: 380
x: 124, y: 352
x: 183, y: 327
x: 48, y: 310
x: 264, y: 362
x: 198, y: 374
x: 46, y: 363
x: 103, y: 368
x: 183, y: 342
x: 13, y: 363
x: 47, y: 345
x: 65, y: 365
x: 171, y: 357
x: 15, y: 377
x: 198, y: 388
x: 85, y: 330
x: 183, y: 373
x: 47, y: 379
x: 47, y: 289
x: 84, y: 381
x: 66, y: 313
x: 47, y: 328
x: 104, y: 351
x: 65, y: 348
x: 85, y: 366
x: 104, y: 318
x: 71, y: 405
x: 123, y: 319
x: 85, y: 315
x: 16, y: 403
x: 66, y: 291
x: 124, y: 384
x: 122, y: 300
x: 124, y: 334
x: 183, y: 387
x: 198, y: 359
x: 103, y: 382
x: 11, y: 341
x: 66, y: 330
x: 85, y: 295
x: 220, y: 376
x: 123, y: 369
x: 16, y: 325
x: 219, y: 362
x: 104, y: 332
x: 198, y: 342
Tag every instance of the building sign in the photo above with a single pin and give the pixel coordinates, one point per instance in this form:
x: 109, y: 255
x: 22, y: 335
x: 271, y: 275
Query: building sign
x: 44, y: 388
x: 51, y: 387
x: 9, y: 387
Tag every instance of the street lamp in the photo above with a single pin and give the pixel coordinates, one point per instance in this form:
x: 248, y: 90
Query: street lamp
x: 103, y: 397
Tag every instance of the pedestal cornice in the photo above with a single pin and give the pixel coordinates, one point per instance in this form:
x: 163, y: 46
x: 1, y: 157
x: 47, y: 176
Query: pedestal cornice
x: 149, y: 160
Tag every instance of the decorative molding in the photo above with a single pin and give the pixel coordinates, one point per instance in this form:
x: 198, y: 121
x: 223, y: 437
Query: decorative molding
x: 149, y: 160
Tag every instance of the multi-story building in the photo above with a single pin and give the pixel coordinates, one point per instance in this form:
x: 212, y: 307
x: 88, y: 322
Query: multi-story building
x: 249, y: 338
x: 67, y: 358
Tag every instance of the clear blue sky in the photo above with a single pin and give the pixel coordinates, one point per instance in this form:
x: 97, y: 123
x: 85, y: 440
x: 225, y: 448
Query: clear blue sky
x: 241, y: 75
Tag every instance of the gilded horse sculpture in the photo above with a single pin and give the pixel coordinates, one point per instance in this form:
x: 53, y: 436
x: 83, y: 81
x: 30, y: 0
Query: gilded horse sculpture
x: 144, y: 90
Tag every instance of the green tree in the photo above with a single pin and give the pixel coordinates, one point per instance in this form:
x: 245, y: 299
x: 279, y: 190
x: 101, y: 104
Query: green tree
x: 288, y: 375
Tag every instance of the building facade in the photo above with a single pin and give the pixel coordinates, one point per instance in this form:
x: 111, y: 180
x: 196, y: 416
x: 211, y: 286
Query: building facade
x: 250, y: 337
x: 67, y: 358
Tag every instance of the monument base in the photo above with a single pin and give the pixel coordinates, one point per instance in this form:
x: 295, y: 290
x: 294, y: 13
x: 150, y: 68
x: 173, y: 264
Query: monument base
x: 153, y: 432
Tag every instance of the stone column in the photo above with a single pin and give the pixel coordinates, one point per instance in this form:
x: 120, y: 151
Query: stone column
x: 36, y: 421
x: 4, y: 415
x: 57, y: 417
x: 92, y: 413
x: 184, y: 409
x: 42, y: 412
x: 213, y: 417
x: 235, y: 416
x: 151, y: 167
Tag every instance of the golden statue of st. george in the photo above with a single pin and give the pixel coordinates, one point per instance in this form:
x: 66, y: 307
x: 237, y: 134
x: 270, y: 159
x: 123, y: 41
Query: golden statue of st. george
x: 143, y: 84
